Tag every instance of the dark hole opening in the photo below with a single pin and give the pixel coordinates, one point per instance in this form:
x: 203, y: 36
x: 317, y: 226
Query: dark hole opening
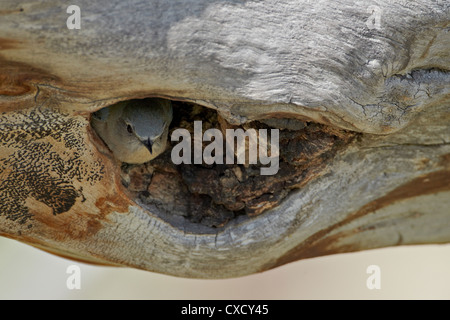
x: 214, y: 194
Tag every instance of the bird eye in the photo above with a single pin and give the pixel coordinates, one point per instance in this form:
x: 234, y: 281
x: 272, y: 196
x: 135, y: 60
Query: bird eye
x: 129, y: 128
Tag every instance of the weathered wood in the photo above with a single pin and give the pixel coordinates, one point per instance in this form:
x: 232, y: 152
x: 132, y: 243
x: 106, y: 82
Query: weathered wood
x: 376, y: 69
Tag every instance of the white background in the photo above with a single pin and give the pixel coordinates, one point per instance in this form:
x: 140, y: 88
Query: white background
x: 409, y: 272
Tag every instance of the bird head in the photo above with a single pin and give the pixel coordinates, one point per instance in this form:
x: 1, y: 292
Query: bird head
x: 147, y: 122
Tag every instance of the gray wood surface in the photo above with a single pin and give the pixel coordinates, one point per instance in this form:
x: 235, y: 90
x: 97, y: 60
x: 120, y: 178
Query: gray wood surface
x: 379, y: 68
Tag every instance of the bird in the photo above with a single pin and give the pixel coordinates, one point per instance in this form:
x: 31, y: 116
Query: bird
x: 136, y: 130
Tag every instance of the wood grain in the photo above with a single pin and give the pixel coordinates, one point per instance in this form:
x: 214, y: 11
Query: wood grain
x: 319, y: 62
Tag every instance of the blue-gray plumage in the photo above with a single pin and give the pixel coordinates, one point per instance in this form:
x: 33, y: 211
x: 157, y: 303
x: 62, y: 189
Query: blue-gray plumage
x: 136, y: 130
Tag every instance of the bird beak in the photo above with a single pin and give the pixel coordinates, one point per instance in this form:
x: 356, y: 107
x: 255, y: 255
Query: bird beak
x: 148, y: 143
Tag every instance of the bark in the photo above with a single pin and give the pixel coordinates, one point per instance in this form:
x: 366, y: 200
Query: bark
x: 359, y: 91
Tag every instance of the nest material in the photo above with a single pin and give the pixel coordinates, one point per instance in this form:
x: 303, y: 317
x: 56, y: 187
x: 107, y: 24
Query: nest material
x: 213, y: 195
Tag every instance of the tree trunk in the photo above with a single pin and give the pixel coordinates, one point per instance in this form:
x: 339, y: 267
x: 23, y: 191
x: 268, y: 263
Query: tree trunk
x: 359, y: 93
